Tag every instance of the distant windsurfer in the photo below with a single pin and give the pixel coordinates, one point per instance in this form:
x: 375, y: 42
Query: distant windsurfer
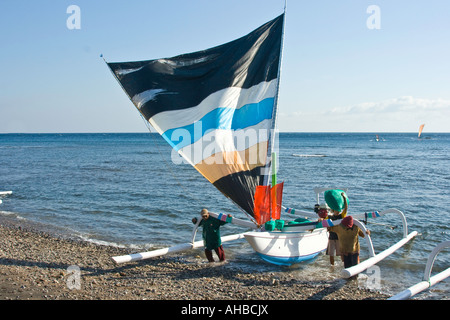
x: 211, y: 235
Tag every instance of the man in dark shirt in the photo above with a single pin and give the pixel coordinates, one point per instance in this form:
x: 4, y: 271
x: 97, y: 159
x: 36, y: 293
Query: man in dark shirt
x: 211, y: 235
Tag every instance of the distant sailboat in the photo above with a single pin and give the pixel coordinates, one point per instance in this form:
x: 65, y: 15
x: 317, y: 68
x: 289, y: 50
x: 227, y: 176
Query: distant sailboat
x: 420, y: 130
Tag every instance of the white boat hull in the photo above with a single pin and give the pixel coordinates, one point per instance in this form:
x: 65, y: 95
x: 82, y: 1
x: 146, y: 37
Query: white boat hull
x: 287, y: 248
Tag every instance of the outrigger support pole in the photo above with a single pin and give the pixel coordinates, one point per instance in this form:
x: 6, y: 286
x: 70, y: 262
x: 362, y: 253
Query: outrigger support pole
x: 427, y: 281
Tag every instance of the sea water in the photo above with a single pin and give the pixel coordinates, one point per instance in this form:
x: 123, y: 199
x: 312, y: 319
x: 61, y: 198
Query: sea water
x: 124, y: 189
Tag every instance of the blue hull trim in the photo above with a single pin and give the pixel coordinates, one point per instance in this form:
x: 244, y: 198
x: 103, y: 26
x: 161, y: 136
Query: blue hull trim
x: 283, y: 261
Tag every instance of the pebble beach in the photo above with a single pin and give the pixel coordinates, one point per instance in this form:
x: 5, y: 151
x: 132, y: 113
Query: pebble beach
x: 36, y: 265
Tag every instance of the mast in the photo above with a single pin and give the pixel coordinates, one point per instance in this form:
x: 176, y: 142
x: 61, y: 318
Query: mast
x: 271, y: 142
x: 274, y: 183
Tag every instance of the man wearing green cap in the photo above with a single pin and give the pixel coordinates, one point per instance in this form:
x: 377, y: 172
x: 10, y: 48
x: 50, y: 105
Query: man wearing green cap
x: 337, y: 202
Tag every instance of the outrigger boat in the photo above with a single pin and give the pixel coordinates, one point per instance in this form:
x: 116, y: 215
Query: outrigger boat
x: 217, y: 108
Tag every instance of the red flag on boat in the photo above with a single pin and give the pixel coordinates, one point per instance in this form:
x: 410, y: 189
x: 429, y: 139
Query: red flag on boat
x: 266, y: 209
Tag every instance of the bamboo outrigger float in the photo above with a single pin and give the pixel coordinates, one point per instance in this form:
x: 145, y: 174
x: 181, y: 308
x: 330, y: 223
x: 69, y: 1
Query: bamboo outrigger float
x: 428, y: 281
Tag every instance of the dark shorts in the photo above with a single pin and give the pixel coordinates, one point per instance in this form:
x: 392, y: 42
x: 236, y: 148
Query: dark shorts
x: 350, y: 259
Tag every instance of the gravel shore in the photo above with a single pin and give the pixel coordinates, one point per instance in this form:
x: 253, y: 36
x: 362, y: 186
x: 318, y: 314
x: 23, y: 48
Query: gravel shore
x: 37, y: 266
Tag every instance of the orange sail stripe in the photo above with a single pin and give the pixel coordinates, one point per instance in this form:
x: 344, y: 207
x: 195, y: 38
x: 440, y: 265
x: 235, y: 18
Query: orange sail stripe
x: 266, y: 209
x: 225, y: 163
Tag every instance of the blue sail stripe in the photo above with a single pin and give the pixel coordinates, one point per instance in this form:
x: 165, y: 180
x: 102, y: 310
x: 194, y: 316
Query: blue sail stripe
x: 223, y: 118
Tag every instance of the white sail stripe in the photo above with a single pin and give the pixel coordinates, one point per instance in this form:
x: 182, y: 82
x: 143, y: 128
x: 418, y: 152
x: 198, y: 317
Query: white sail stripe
x: 140, y: 99
x: 226, y: 98
x: 121, y: 72
x: 221, y: 140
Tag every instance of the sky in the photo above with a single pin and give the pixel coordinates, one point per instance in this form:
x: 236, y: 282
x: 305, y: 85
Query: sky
x: 346, y: 67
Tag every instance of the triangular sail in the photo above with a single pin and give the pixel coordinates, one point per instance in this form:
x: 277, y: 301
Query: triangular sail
x: 420, y: 130
x: 215, y: 107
